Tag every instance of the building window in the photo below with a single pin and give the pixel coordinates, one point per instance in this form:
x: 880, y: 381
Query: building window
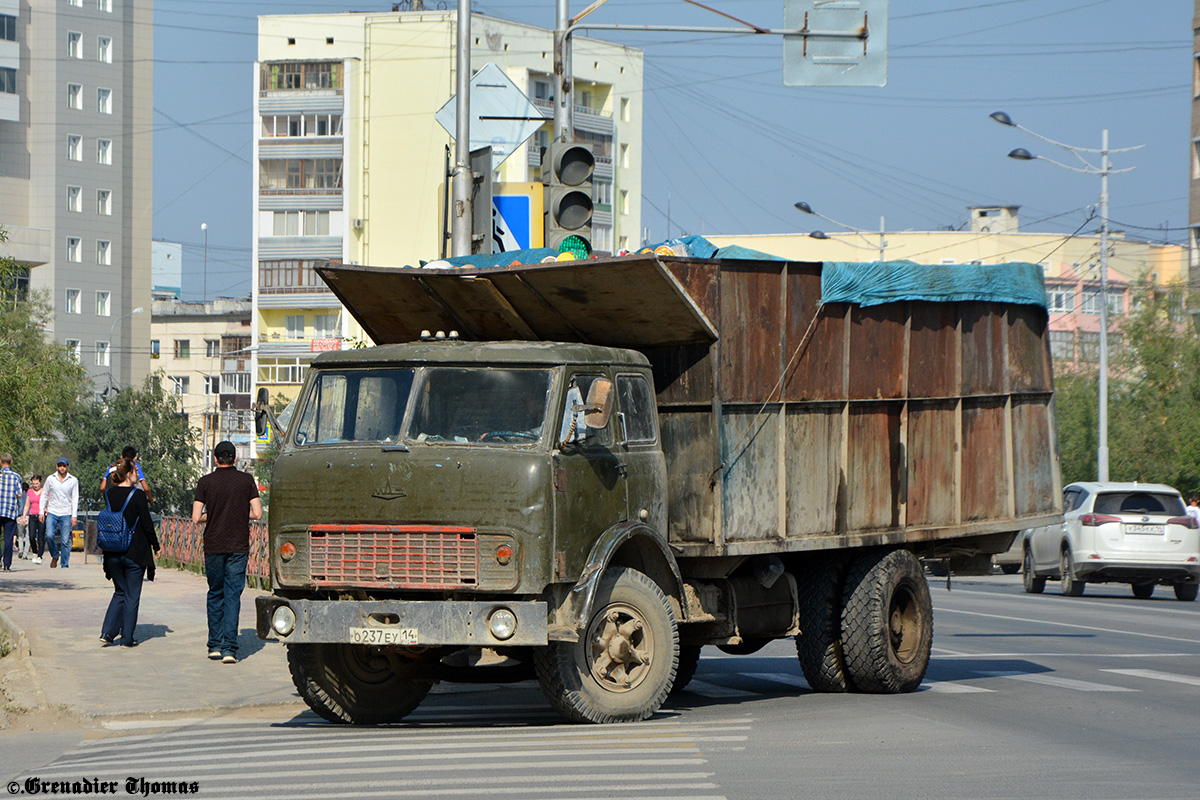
x: 101, y: 354
x: 1091, y: 302
x: 1061, y: 300
x: 212, y: 348
x: 281, y: 370
x: 316, y: 223
x: 75, y: 348
x: 102, y: 304
x: 74, y: 148
x: 73, y: 301
x: 104, y: 5
x: 74, y: 44
x: 1089, y: 347
x: 300, y: 176
x: 183, y: 348
x: 103, y: 252
x: 104, y: 202
x: 104, y: 101
x: 74, y: 203
x: 234, y: 346
x: 624, y: 109
x: 287, y: 223
x: 181, y: 384
x: 287, y: 277
x: 155, y: 349
x: 624, y: 156
x: 8, y: 80
x: 541, y: 91
x: 302, y: 125
x: 325, y: 326
x: 624, y: 201
x: 235, y: 383
x: 76, y: 3
x: 104, y: 49
x: 75, y: 96
x: 1062, y: 345
x: 74, y: 249
x: 8, y: 27
x: 294, y: 326
x: 212, y: 385
x: 299, y: 75
x: 104, y: 151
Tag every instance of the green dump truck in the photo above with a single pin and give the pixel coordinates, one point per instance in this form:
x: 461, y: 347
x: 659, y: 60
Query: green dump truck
x: 586, y: 472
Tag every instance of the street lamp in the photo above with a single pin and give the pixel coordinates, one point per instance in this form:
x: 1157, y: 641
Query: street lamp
x: 1103, y: 170
x: 112, y: 329
x: 204, y: 227
x: 807, y: 209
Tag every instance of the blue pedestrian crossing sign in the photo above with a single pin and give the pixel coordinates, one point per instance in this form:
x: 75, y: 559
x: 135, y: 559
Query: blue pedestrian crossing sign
x: 517, y: 222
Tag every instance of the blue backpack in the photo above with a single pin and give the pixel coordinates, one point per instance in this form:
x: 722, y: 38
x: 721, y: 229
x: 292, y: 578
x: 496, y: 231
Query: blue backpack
x: 113, y: 534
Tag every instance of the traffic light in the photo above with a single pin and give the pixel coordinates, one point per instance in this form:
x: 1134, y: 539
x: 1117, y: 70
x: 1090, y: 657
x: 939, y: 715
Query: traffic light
x: 567, y: 169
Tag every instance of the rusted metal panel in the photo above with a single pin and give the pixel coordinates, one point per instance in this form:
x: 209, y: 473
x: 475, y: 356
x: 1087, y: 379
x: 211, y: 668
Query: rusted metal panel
x: 751, y: 331
x: 982, y: 348
x: 749, y: 486
x: 682, y: 374
x: 1029, y: 367
x: 873, y: 469
x: 701, y: 280
x: 814, y: 342
x: 817, y: 490
x: 1033, y: 454
x: 933, y: 341
x: 877, y: 351
x: 688, y: 440
x: 930, y: 456
x: 984, y: 488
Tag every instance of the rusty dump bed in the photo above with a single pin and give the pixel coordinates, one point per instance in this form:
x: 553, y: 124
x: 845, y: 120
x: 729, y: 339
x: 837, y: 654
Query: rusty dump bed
x: 787, y: 424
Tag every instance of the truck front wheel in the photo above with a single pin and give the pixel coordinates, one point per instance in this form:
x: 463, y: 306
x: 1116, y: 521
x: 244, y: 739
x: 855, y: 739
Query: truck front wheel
x: 353, y: 683
x: 624, y: 663
x: 887, y: 623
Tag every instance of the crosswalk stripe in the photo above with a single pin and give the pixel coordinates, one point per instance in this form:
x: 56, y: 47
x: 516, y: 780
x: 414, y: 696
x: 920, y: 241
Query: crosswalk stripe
x: 779, y: 677
x: 1061, y: 683
x: 706, y: 689
x: 949, y: 687
x: 1153, y: 674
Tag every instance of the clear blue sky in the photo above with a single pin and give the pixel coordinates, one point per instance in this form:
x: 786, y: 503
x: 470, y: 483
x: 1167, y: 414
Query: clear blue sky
x: 729, y: 149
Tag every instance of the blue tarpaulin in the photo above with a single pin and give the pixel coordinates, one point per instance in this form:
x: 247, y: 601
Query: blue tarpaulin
x: 875, y: 283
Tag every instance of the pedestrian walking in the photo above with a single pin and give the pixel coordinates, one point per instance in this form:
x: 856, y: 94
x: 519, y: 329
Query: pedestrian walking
x: 22, y: 526
x: 1193, y: 507
x: 10, y: 506
x: 130, y: 452
x: 33, y: 523
x: 225, y: 500
x: 127, y: 570
x: 60, y: 510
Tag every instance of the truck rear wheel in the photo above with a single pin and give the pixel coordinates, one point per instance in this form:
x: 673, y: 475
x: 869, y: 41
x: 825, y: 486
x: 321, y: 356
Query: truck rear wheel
x: 887, y: 623
x: 624, y: 663
x: 353, y: 683
x: 819, y: 644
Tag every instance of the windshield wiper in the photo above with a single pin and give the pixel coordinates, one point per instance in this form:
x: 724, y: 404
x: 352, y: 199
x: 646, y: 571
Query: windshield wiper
x: 395, y: 448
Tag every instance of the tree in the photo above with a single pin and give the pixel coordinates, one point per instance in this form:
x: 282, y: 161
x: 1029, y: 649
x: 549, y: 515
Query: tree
x: 150, y: 419
x: 40, y: 380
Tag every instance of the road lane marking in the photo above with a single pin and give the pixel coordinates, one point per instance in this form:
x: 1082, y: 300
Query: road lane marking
x: 1060, y: 683
x: 1067, y: 625
x: 949, y: 687
x: 1153, y: 674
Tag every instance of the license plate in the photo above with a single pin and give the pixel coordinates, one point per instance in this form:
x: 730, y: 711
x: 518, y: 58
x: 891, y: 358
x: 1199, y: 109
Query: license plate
x: 1151, y: 529
x: 383, y: 635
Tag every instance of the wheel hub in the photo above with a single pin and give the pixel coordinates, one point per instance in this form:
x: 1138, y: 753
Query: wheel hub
x: 904, y: 624
x: 620, y: 647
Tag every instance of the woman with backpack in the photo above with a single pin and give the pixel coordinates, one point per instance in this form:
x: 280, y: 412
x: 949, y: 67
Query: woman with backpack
x: 127, y: 569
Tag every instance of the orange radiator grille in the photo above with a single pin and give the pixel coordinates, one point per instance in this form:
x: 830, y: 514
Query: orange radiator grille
x: 393, y: 556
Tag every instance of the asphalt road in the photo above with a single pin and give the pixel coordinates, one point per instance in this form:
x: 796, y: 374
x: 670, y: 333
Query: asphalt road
x: 1027, y: 696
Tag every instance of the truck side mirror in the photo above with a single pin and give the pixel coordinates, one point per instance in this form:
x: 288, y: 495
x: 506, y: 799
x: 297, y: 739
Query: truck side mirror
x: 599, y: 404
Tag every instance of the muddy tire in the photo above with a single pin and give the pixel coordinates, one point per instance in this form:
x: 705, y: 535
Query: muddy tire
x: 689, y: 659
x: 887, y: 622
x: 353, y: 683
x: 625, y: 661
x: 819, y: 644
x: 1032, y: 583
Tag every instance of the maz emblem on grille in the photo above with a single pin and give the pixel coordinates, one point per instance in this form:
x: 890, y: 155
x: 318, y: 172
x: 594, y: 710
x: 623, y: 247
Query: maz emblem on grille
x: 388, y: 492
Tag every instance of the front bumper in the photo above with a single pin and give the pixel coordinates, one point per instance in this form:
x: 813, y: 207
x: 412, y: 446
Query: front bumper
x: 404, y: 622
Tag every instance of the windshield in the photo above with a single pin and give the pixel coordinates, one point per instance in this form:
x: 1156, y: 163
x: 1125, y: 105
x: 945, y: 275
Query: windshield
x: 480, y: 406
x: 1140, y: 503
x: 354, y: 406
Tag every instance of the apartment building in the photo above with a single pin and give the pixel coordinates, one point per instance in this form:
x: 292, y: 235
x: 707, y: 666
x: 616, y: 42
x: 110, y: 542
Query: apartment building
x: 350, y: 161
x: 203, y: 351
x: 1070, y: 263
x: 76, y: 99
x: 1194, y: 159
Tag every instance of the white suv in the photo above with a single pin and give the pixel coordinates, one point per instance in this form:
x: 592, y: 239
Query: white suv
x: 1135, y: 533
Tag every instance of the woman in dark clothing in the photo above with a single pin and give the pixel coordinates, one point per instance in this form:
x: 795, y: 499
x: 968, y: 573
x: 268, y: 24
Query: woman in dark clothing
x: 126, y: 570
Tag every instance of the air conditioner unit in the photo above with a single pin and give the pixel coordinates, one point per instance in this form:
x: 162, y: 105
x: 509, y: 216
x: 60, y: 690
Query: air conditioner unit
x: 357, y: 224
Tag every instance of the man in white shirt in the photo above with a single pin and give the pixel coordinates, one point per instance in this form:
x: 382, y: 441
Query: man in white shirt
x: 60, y: 507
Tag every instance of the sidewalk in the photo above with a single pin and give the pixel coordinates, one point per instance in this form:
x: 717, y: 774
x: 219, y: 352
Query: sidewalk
x: 59, y: 611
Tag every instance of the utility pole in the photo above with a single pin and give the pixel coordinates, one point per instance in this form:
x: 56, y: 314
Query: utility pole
x: 461, y: 213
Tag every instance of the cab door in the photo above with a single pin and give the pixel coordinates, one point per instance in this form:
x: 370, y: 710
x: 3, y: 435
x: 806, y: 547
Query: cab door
x: 638, y: 441
x: 589, y: 483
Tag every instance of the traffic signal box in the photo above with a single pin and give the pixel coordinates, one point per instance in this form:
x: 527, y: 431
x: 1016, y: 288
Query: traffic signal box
x: 567, y: 169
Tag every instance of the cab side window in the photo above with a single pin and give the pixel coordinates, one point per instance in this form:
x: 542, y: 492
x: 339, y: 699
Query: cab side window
x: 636, y: 402
x: 573, y: 427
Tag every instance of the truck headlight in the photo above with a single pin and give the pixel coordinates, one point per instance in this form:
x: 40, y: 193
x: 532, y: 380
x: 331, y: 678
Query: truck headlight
x: 502, y: 623
x: 283, y: 620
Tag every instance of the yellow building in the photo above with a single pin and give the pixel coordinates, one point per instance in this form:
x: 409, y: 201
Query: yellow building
x: 349, y: 160
x: 1071, y: 265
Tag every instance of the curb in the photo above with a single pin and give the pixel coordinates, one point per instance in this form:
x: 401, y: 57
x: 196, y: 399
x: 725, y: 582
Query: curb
x: 17, y: 634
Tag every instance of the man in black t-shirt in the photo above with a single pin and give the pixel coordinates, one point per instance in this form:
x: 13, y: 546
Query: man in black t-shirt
x: 225, y: 500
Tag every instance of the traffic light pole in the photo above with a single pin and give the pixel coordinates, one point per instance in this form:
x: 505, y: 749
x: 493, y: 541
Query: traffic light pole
x: 564, y: 95
x: 461, y: 214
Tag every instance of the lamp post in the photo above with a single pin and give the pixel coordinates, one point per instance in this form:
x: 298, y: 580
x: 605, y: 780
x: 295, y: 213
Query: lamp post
x: 808, y: 209
x: 112, y: 329
x: 204, y: 227
x: 1103, y: 170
